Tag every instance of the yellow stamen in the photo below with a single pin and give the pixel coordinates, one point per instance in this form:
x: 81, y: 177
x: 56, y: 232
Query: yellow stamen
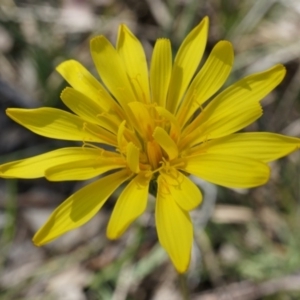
x: 154, y: 154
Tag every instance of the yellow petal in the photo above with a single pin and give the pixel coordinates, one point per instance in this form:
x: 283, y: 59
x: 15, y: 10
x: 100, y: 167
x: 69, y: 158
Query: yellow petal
x: 141, y: 119
x: 122, y: 142
x: 236, y: 107
x: 126, y: 135
x: 250, y: 89
x: 34, y: 167
x: 222, y: 125
x: 166, y: 142
x: 186, y: 62
x: 208, y: 81
x: 89, y: 110
x: 58, y: 124
x: 174, y: 229
x: 132, y: 53
x: 79, y: 208
x: 168, y: 117
x: 84, y: 169
x: 263, y: 146
x: 130, y: 205
x: 84, y: 82
x: 112, y: 70
x: 161, y: 70
x: 179, y: 187
x: 228, y: 170
x: 132, y: 156
x: 170, y: 121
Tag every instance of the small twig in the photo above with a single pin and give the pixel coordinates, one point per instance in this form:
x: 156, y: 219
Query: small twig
x: 183, y: 287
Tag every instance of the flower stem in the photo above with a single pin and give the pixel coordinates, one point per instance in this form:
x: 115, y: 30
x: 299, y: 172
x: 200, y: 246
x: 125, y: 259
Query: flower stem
x: 184, y: 287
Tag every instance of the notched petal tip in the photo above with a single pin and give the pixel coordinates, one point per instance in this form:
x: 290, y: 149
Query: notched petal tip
x: 228, y: 47
x: 203, y: 25
x: 59, y: 68
x: 280, y: 69
x: 223, y: 51
x: 205, y: 21
x: 8, y: 111
x: 124, y: 29
x: 163, y: 39
x: 96, y: 42
x: 36, y: 243
x: 65, y: 91
x: 13, y: 113
x: 181, y: 269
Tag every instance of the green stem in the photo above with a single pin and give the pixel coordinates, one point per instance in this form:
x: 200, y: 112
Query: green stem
x: 184, y: 287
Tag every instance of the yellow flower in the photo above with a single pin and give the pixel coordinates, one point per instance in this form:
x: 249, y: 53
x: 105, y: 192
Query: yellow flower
x: 156, y: 133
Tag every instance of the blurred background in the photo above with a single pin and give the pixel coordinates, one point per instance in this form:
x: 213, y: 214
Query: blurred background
x: 246, y: 241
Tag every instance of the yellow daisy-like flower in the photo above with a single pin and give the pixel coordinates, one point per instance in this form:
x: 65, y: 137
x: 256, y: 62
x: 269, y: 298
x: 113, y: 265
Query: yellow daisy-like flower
x: 157, y: 133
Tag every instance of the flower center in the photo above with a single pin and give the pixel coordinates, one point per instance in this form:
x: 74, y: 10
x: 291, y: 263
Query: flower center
x: 154, y: 133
